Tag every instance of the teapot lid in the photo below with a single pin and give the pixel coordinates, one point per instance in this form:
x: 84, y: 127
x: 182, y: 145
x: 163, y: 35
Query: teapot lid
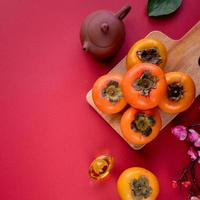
x: 104, y: 29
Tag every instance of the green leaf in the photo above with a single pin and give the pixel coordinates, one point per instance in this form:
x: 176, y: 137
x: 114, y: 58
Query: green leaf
x: 162, y: 7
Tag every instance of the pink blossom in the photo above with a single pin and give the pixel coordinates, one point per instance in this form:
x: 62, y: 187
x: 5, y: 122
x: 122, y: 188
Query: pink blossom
x: 193, y: 135
x: 186, y: 184
x: 174, y: 184
x: 192, y: 153
x: 197, y: 142
x: 194, y: 198
x: 180, y: 132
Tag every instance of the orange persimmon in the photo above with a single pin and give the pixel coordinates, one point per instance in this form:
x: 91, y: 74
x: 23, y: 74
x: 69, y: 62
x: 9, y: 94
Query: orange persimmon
x: 137, y: 183
x: 180, y: 93
x: 140, y: 127
x: 107, y: 93
x: 147, y: 50
x: 144, y: 85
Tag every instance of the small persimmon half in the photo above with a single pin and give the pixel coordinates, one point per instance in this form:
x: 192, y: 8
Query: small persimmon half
x: 147, y: 50
x: 137, y: 183
x: 144, y: 85
x: 107, y: 93
x: 180, y: 93
x: 140, y: 127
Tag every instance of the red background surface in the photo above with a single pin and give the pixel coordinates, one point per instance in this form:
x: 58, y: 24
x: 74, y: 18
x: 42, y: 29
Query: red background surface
x: 49, y: 134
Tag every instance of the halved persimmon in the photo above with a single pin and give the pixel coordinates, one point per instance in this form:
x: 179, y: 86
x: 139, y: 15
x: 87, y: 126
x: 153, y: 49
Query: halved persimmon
x: 180, y: 93
x: 140, y: 127
x: 147, y: 50
x: 107, y: 93
x: 144, y: 85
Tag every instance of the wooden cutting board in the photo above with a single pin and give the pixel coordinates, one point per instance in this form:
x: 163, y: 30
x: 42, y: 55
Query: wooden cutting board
x: 183, y: 55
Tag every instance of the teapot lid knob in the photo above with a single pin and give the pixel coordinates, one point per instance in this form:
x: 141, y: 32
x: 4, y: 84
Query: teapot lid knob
x: 104, y: 27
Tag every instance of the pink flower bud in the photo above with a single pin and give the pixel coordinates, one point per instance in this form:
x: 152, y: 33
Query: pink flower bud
x: 174, y: 184
x: 193, y: 135
x: 186, y: 184
x: 192, y: 153
x: 180, y: 132
x: 197, y: 142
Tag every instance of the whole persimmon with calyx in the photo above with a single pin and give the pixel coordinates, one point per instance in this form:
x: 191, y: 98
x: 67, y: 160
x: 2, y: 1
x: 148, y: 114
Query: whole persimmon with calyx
x: 107, y: 93
x: 140, y: 127
x: 180, y: 92
x: 147, y: 50
x: 144, y: 85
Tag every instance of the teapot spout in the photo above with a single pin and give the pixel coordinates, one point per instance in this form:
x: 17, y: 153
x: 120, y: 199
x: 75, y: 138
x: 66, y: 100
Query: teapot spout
x: 85, y: 46
x: 123, y: 12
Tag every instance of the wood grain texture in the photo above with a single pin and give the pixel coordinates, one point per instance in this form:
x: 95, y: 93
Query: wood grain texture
x: 183, y: 56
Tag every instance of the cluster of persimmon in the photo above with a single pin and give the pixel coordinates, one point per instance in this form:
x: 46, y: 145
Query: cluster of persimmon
x: 144, y: 87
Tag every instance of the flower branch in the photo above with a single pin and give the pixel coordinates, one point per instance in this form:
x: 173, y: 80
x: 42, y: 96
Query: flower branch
x: 188, y: 176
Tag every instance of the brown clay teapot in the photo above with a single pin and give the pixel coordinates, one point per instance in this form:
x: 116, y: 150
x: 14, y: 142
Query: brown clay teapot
x: 102, y: 32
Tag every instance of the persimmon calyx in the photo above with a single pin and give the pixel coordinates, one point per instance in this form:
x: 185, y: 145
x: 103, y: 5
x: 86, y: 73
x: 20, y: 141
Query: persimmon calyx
x: 145, y: 83
x: 140, y: 188
x: 150, y: 55
x: 175, y: 91
x: 143, y: 124
x: 112, y: 92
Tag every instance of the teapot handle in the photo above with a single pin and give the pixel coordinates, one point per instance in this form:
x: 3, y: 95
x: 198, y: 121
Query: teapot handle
x: 123, y: 12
